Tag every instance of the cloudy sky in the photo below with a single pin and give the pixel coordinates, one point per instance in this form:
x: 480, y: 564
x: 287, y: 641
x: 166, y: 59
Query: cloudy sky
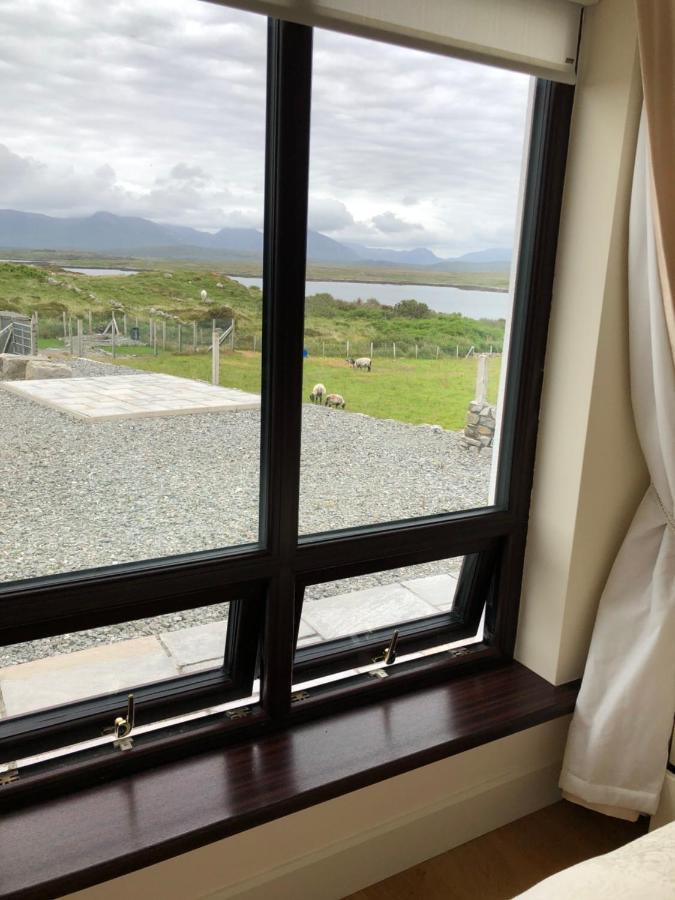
x: 157, y: 109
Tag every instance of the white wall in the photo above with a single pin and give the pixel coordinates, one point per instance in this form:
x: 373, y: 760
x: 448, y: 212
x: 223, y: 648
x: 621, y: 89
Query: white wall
x: 589, y: 476
x: 589, y: 470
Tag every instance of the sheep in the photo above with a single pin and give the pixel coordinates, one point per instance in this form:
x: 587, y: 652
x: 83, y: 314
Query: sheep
x: 350, y: 361
x: 318, y: 393
x: 363, y: 362
x: 335, y: 400
x: 204, y: 296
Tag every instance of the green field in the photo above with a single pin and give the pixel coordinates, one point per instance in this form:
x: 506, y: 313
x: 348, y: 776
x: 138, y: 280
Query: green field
x: 414, y: 391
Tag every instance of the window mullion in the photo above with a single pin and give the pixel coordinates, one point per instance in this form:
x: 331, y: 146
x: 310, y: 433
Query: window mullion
x: 286, y: 188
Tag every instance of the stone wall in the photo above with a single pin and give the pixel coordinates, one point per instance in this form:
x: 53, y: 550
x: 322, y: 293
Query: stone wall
x: 479, y: 431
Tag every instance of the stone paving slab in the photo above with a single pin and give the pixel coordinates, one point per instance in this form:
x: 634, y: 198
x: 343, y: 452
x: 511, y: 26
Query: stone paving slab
x: 86, y: 673
x: 198, y: 644
x: 439, y: 590
x: 366, y: 610
x: 131, y: 396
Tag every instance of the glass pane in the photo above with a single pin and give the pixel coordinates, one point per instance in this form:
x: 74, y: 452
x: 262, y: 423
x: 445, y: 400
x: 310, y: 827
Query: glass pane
x: 355, y: 607
x: 52, y: 671
x: 132, y: 163
x: 414, y: 192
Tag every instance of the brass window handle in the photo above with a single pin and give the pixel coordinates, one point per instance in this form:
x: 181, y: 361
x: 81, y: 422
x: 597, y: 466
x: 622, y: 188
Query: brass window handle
x: 388, y: 655
x: 124, y: 724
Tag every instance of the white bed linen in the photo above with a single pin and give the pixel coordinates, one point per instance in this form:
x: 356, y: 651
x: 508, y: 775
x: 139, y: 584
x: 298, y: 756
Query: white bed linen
x: 641, y: 870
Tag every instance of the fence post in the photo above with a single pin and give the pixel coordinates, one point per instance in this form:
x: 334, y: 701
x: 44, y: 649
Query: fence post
x: 482, y: 378
x: 347, y: 349
x: 232, y: 336
x: 438, y: 350
x: 194, y: 336
x: 34, y: 335
x: 79, y: 337
x: 415, y: 351
x: 70, y: 335
x: 457, y: 351
x: 91, y: 328
x: 113, y: 334
x: 163, y: 334
x: 154, y: 336
x: 394, y: 346
x: 124, y: 324
x: 215, y: 354
x: 371, y: 350
x: 65, y: 326
x: 180, y: 339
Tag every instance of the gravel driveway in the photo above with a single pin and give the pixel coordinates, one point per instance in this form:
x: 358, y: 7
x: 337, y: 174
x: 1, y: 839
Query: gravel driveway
x: 77, y: 495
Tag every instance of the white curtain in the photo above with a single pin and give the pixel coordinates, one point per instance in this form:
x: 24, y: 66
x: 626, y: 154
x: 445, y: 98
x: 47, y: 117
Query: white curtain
x: 618, y: 742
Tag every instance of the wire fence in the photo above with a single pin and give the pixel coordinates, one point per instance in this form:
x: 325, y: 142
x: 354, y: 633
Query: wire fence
x: 118, y: 332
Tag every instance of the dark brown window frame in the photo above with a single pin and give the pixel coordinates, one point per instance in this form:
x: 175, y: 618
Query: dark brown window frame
x: 264, y: 581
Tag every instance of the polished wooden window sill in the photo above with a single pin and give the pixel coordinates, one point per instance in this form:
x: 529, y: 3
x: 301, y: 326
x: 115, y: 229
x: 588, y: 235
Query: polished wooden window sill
x: 70, y: 842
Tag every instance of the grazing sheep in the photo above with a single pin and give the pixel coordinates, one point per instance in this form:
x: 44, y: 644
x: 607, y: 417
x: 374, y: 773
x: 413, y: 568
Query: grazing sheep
x: 335, y: 400
x: 204, y: 296
x: 318, y: 393
x: 363, y: 362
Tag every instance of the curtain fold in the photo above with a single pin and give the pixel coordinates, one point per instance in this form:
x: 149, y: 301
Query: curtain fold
x: 618, y: 741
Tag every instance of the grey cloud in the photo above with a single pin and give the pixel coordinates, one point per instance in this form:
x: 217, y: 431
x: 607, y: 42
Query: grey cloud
x: 184, y: 172
x: 326, y: 214
x: 389, y: 223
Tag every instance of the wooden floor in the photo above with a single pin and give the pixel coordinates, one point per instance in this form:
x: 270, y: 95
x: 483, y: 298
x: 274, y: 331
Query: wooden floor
x: 511, y: 859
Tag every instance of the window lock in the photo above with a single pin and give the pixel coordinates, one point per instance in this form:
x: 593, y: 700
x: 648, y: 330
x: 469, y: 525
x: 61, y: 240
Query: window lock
x: 388, y: 655
x: 123, y: 726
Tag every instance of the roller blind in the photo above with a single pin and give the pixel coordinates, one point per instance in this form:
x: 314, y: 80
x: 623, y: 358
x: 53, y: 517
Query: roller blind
x: 539, y: 37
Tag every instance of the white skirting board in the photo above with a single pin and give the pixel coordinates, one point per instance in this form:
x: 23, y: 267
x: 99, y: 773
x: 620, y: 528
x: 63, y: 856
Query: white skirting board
x: 340, y: 846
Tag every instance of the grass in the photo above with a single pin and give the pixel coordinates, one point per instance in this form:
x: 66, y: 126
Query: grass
x: 408, y: 390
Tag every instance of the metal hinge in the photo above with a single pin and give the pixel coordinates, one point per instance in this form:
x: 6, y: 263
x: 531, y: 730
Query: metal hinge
x: 299, y: 696
x: 9, y: 776
x: 242, y: 713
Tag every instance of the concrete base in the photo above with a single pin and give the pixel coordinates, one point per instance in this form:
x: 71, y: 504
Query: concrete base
x: 132, y: 396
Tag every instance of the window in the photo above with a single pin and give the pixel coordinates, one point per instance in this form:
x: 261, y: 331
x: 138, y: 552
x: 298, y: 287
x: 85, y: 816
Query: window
x: 281, y: 593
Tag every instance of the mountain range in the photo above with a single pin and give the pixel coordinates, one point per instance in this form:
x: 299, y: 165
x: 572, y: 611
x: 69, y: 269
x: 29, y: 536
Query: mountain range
x: 106, y: 233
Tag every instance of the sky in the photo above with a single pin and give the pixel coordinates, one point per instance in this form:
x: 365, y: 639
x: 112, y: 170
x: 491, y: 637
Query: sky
x: 157, y: 109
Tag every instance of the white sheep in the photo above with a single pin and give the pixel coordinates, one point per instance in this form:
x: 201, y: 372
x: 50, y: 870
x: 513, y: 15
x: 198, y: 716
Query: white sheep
x: 204, y: 296
x: 318, y: 393
x: 363, y: 362
x: 336, y: 400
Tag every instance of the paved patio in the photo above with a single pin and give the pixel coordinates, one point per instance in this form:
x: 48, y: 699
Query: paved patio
x: 131, y: 396
x: 119, y: 666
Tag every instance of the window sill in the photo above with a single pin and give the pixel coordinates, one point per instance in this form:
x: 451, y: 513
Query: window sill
x: 71, y: 842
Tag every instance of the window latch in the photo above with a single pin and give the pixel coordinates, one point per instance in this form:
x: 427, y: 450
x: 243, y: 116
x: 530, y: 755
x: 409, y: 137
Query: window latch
x: 388, y: 655
x: 124, y: 725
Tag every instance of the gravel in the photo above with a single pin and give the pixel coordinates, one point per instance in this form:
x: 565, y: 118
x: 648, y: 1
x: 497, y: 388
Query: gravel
x: 77, y: 495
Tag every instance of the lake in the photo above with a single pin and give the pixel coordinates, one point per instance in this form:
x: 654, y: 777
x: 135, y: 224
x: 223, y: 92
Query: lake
x: 474, y: 304
x: 80, y: 271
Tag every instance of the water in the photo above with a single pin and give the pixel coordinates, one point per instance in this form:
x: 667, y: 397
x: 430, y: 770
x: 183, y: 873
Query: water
x: 474, y: 304
x: 29, y: 262
x: 100, y: 271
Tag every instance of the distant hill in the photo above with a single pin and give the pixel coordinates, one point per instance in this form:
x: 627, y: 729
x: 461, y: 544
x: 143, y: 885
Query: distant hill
x: 104, y: 232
